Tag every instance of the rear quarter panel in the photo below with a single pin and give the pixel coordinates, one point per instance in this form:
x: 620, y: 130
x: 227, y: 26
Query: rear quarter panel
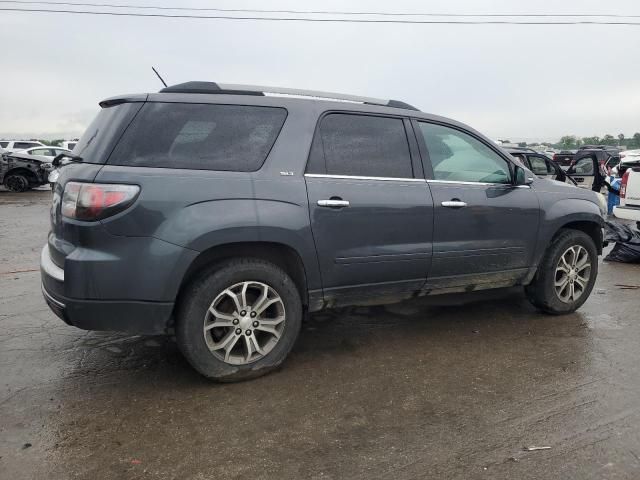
x: 201, y: 209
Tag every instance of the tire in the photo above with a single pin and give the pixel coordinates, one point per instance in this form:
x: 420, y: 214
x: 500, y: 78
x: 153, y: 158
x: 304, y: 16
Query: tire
x: 16, y: 183
x: 203, y: 349
x: 542, y: 291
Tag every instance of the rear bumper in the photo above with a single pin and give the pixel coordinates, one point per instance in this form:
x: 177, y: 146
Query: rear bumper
x: 627, y: 213
x: 137, y: 317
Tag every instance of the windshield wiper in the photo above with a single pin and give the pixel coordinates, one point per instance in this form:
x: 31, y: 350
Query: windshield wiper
x: 72, y: 158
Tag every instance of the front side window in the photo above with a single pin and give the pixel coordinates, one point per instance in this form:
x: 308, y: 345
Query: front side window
x: 459, y: 157
x: 200, y: 137
x: 361, y: 145
x: 538, y: 165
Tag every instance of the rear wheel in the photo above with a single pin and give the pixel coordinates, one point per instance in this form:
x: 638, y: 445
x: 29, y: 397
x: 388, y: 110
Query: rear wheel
x: 16, y: 182
x: 239, y: 320
x: 566, y: 275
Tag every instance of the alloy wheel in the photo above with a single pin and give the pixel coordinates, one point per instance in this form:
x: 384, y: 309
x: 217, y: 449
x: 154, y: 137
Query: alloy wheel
x: 573, y: 273
x: 244, y: 322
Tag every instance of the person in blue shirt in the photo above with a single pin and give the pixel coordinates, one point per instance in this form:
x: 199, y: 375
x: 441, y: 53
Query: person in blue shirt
x: 613, y: 186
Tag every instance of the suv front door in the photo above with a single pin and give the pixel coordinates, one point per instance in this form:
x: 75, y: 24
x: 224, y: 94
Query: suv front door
x: 371, y: 213
x: 485, y: 227
x: 584, y: 172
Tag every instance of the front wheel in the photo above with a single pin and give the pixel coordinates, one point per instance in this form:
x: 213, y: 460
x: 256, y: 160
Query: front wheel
x: 239, y: 320
x: 566, y: 275
x: 16, y: 183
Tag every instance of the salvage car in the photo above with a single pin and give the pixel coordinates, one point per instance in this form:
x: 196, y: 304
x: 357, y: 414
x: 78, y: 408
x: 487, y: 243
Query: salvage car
x: 21, y: 171
x: 226, y: 213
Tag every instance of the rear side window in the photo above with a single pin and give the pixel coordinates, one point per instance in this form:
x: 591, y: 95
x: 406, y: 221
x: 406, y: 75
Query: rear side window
x: 361, y: 145
x: 200, y: 137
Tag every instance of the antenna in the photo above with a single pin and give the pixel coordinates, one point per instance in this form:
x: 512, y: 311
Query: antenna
x: 161, y: 79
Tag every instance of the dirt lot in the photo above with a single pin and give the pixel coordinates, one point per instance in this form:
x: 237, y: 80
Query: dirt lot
x: 428, y: 389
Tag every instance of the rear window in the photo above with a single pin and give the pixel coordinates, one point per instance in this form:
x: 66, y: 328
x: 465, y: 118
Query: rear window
x: 200, y: 137
x: 100, y: 137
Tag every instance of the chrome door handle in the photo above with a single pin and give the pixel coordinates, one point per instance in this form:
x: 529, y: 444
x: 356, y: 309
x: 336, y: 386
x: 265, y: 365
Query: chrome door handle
x: 454, y: 204
x: 333, y: 203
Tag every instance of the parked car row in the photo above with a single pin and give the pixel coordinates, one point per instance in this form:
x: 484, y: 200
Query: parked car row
x: 9, y: 146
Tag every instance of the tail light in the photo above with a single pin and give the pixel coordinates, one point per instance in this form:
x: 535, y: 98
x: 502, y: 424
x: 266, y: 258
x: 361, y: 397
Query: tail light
x: 555, y: 157
x: 95, y: 201
x: 623, y: 185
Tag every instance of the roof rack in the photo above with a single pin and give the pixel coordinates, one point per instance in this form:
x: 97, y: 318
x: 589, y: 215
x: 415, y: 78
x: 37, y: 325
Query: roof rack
x: 232, y: 89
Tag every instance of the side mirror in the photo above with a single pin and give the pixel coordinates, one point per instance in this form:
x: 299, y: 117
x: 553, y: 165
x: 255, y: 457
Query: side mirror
x: 56, y: 160
x: 521, y: 176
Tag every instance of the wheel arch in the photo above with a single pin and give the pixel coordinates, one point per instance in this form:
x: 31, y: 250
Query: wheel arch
x: 22, y: 171
x: 280, y: 254
x: 590, y: 227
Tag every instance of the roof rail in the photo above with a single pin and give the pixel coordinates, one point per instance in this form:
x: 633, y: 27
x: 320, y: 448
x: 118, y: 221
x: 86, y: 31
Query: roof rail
x: 232, y: 89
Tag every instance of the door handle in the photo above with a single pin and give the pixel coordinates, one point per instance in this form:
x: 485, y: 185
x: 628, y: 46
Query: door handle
x: 333, y: 203
x: 454, y: 204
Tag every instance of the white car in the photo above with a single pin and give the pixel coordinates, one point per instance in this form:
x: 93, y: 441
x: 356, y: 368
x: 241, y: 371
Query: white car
x: 630, y: 156
x: 69, y: 144
x: 626, y: 157
x: 629, y: 207
x: 49, y: 152
x: 15, y: 145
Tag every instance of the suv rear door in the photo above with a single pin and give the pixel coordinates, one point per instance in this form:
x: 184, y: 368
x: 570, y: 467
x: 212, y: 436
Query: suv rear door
x: 484, y: 226
x: 371, y: 213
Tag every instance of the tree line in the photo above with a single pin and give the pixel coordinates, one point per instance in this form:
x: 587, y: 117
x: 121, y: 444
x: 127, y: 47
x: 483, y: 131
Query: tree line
x: 571, y: 141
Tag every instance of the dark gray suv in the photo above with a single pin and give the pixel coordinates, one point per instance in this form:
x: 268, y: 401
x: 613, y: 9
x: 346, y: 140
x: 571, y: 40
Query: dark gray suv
x: 228, y: 212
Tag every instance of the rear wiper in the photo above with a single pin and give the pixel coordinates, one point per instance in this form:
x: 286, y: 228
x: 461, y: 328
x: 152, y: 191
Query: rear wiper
x: 72, y: 158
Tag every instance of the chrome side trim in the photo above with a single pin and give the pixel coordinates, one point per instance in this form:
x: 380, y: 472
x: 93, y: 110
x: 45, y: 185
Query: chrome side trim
x: 49, y: 267
x: 465, y: 183
x: 354, y: 177
x: 50, y: 298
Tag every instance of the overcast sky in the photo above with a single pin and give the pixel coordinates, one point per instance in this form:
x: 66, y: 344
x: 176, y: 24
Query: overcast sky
x: 517, y: 82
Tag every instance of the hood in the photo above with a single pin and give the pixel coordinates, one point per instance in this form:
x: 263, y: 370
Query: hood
x: 32, y: 158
